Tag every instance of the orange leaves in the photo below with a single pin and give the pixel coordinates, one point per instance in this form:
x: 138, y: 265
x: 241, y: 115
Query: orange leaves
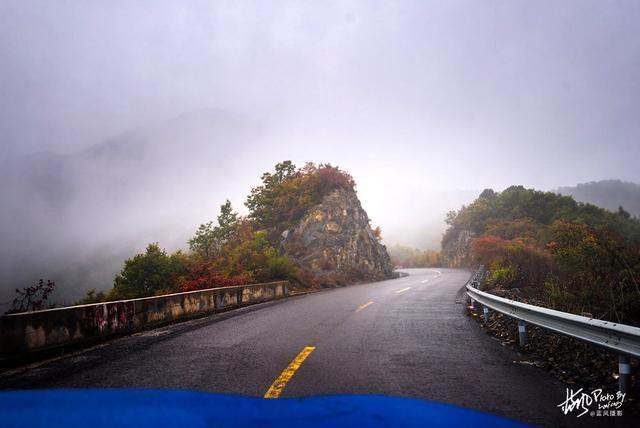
x: 528, y: 264
x: 489, y: 249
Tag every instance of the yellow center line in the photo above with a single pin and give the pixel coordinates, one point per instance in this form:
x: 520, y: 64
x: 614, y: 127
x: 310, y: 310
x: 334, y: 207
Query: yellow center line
x: 278, y: 385
x: 403, y: 290
x: 361, y: 307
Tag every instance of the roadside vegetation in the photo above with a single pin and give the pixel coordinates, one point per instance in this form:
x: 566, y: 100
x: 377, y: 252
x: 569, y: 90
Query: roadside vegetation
x: 33, y: 298
x: 408, y: 257
x: 571, y: 256
x: 232, y: 249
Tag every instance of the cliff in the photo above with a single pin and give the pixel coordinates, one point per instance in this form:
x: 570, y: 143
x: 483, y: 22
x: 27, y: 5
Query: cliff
x: 333, y: 244
x: 456, y: 253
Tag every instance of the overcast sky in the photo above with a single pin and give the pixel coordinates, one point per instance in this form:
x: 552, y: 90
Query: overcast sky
x: 542, y: 93
x: 415, y: 99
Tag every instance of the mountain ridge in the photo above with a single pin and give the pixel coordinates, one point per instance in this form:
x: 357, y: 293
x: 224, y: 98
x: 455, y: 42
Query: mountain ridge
x: 609, y: 194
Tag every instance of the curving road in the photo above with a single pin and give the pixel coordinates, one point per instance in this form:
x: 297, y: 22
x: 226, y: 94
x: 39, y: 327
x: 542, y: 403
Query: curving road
x: 405, y: 337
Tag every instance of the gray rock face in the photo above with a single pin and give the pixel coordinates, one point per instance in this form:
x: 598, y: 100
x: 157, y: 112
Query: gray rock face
x: 334, y: 245
x: 457, y: 254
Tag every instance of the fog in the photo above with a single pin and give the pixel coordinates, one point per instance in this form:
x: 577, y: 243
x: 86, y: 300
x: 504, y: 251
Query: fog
x: 123, y: 123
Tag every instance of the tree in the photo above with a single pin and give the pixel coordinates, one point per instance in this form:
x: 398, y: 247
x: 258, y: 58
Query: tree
x: 147, y: 274
x: 227, y: 222
x: 209, y: 240
x: 33, y: 298
x: 377, y: 233
x: 451, y: 217
x: 287, y: 194
x: 623, y: 213
x: 204, y: 243
x: 488, y: 194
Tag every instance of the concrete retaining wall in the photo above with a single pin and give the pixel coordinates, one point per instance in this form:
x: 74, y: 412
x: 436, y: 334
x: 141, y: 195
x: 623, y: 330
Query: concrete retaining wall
x: 39, y: 330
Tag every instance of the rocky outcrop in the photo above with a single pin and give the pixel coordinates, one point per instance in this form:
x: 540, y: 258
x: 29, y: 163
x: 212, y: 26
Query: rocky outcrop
x: 333, y: 244
x: 457, y: 253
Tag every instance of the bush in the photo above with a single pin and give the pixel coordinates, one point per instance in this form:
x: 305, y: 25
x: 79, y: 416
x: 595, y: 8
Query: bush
x: 33, y: 298
x: 148, y: 274
x: 500, y: 276
x: 280, y: 267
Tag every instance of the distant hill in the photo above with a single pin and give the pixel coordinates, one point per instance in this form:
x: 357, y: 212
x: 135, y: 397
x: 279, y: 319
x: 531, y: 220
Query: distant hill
x: 607, y: 194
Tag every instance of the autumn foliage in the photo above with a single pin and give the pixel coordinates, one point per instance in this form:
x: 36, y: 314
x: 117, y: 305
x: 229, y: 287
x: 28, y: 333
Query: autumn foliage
x: 203, y: 275
x: 233, y: 250
x: 579, y: 257
x: 287, y: 194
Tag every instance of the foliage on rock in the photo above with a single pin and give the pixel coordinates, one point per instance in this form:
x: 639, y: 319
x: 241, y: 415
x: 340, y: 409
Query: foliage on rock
x: 289, y: 192
x: 237, y: 250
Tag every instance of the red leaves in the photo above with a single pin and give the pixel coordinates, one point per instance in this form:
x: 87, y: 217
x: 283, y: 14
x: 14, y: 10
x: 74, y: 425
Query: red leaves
x: 203, y: 276
x: 32, y: 298
x: 489, y: 249
x: 332, y: 177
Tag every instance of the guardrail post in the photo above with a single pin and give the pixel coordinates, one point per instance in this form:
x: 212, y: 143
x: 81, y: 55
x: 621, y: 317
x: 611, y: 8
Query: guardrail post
x: 522, y: 332
x: 624, y: 373
x: 485, y: 310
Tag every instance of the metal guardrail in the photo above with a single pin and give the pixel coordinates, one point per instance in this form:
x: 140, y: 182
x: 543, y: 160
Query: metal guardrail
x: 622, y: 339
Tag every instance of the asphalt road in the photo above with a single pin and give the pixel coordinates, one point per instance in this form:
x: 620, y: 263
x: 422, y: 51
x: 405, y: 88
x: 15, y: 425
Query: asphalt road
x: 413, y: 340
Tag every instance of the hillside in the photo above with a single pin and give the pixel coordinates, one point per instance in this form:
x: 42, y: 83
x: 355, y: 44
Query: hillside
x: 607, y: 194
x: 576, y: 256
x: 304, y: 224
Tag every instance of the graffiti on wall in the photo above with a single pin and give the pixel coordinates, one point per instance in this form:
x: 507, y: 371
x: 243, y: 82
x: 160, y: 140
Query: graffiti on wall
x: 109, y: 317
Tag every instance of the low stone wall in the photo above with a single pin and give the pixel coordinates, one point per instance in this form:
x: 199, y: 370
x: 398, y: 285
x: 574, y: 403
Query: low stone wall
x: 39, y: 330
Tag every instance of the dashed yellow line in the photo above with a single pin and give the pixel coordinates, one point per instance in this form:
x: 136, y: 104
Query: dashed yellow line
x: 361, y: 307
x: 278, y: 385
x: 403, y: 290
